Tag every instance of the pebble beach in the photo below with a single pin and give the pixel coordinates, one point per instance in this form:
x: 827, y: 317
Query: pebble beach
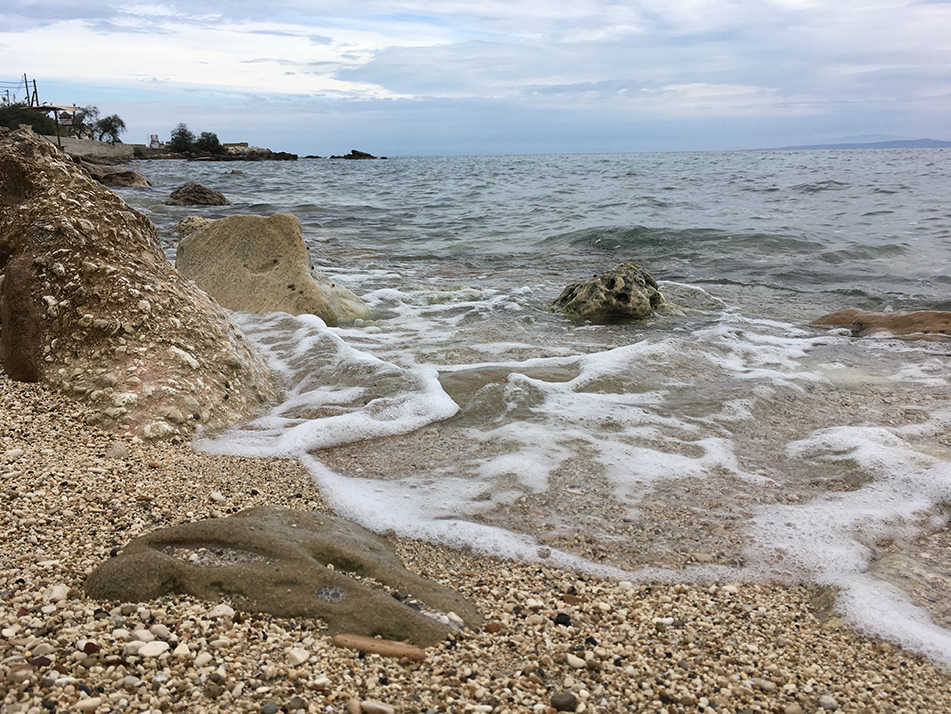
x: 72, y: 495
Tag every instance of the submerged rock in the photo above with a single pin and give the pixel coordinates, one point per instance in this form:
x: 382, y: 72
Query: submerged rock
x: 92, y: 307
x: 624, y: 292
x: 194, y: 194
x: 926, y: 323
x: 257, y: 264
x: 277, y: 560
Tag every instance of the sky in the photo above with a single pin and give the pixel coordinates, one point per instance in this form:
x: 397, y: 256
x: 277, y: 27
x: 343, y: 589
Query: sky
x: 449, y: 77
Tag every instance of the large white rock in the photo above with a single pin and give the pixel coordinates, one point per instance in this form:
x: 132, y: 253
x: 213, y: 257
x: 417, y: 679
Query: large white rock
x: 257, y: 264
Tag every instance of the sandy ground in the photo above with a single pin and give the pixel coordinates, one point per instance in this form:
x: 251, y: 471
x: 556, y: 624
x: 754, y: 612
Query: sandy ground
x: 71, y: 495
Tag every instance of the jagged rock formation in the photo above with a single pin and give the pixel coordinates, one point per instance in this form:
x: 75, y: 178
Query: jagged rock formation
x: 926, y: 323
x: 194, y: 194
x: 257, y: 264
x: 274, y: 560
x: 92, y: 306
x: 624, y: 292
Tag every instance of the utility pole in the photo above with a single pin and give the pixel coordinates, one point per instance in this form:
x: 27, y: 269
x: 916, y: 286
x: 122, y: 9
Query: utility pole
x: 26, y: 86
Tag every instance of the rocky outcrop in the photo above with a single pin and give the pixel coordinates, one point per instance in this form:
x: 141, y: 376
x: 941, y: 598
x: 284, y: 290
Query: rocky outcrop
x: 288, y: 563
x: 257, y: 264
x: 117, y: 176
x: 924, y: 323
x: 90, y: 298
x: 194, y: 194
x: 625, y: 292
x: 241, y: 152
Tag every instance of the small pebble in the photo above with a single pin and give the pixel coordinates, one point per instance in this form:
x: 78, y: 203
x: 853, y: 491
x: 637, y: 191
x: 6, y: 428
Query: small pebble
x: 153, y: 649
x: 297, y: 656
x: 564, y: 702
x: 371, y: 706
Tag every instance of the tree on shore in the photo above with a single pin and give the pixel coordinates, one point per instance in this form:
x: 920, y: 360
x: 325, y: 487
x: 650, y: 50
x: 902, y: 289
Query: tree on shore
x: 111, y: 127
x: 84, y: 121
x: 12, y: 115
x: 182, y: 140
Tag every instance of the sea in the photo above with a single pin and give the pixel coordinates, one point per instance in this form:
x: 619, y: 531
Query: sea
x: 722, y: 439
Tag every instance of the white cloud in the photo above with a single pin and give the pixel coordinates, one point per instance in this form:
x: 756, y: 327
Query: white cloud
x: 721, y: 58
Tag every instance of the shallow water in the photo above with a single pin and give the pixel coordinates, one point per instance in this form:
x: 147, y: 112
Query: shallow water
x: 723, y: 438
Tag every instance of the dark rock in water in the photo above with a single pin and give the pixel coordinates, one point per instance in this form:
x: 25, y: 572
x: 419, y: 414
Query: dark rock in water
x: 275, y: 560
x: 257, y: 264
x: 924, y: 323
x: 357, y: 155
x: 21, y: 339
x: 194, y: 194
x: 92, y: 306
x: 624, y: 292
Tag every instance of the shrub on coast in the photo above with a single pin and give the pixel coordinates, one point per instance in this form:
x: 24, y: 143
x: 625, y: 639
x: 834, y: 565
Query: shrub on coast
x: 208, y: 142
x: 12, y: 115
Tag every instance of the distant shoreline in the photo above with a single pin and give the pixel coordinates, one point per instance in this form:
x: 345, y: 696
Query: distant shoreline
x: 896, y: 144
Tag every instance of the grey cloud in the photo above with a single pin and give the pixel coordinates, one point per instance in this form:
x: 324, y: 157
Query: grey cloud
x: 22, y: 15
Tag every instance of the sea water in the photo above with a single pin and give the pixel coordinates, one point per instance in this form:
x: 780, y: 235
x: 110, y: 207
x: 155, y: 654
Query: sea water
x: 724, y: 438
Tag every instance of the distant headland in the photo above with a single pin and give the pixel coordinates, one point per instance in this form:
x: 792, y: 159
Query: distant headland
x: 892, y: 144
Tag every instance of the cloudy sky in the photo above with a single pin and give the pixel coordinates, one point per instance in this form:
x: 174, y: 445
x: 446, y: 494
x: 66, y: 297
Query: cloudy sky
x: 494, y: 76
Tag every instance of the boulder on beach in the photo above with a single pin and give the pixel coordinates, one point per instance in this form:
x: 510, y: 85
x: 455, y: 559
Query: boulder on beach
x: 624, y: 292
x: 91, y: 306
x: 276, y: 560
x: 194, y: 194
x: 257, y: 264
x: 924, y: 323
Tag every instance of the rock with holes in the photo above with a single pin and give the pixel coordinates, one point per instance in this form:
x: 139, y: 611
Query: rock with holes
x: 624, y: 292
x: 926, y: 324
x: 275, y: 560
x: 257, y: 264
x: 91, y: 306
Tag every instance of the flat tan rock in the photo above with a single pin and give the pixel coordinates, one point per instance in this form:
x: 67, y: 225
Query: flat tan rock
x: 275, y: 560
x: 926, y: 323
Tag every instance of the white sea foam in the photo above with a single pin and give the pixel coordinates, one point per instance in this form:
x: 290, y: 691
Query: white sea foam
x: 652, y: 412
x: 365, y: 397
x: 831, y: 539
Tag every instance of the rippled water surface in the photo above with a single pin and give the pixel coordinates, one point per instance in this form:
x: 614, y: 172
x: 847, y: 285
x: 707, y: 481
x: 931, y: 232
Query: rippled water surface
x: 723, y: 438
